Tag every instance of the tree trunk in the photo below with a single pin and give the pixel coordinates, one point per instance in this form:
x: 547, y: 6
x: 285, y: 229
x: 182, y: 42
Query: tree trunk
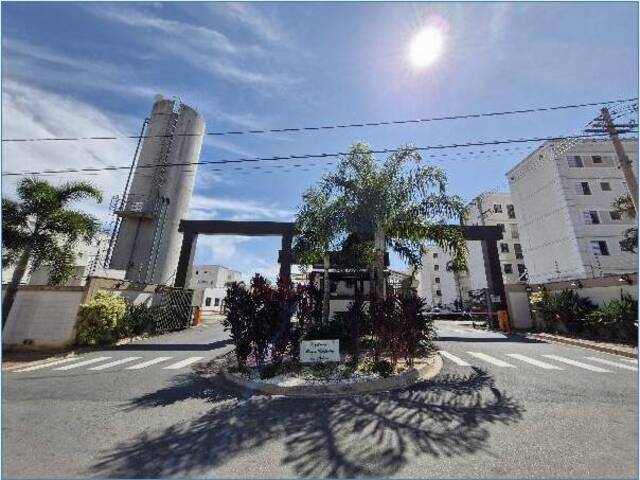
x: 326, y: 294
x: 12, y: 288
x: 379, y: 245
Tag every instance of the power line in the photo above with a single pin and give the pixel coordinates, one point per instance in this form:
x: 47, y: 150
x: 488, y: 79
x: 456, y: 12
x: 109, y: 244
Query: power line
x: 329, y: 127
x: 296, y: 157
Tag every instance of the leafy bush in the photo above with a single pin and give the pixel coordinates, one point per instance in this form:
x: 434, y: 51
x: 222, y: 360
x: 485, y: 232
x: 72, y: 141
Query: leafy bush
x: 259, y: 319
x: 384, y: 368
x: 139, y: 319
x: 402, y: 328
x: 565, y: 308
x: 100, y: 320
x: 619, y: 317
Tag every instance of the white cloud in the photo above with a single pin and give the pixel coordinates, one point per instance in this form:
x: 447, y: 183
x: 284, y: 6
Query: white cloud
x: 258, y: 23
x: 202, y: 47
x: 40, y: 65
x: 235, y: 209
x: 33, y: 112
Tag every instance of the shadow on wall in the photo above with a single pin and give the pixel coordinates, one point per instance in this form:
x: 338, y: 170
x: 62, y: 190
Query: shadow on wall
x: 369, y: 435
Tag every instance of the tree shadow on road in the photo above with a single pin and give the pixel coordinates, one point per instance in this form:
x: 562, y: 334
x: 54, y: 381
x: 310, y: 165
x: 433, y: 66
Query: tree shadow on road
x: 367, y: 435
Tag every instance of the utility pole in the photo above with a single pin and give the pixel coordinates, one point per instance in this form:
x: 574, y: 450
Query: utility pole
x: 624, y: 162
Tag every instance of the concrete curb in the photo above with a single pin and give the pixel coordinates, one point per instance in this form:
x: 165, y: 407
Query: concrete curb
x: 417, y: 374
x: 580, y: 343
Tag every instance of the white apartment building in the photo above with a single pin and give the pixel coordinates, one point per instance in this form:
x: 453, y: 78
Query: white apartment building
x: 437, y: 285
x: 563, y: 194
x: 212, y: 276
x: 495, y: 209
x: 89, y: 260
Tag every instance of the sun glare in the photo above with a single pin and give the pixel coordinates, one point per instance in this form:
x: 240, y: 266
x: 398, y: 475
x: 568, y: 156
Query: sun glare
x: 426, y: 47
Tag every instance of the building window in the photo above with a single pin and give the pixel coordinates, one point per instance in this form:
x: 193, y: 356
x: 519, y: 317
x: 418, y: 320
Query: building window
x: 504, y: 248
x: 501, y: 225
x: 605, y: 186
x: 582, y: 188
x: 511, y: 211
x: 207, y: 302
x: 216, y: 302
x: 591, y: 217
x: 521, y: 269
x: 514, y: 231
x: 518, y: 249
x: 439, y: 293
x: 508, y: 268
x: 437, y: 279
x: 596, y: 158
x: 497, y: 208
x: 436, y: 267
x: 435, y: 255
x: 349, y: 283
x: 575, y: 161
x: 615, y: 215
x: 599, y: 247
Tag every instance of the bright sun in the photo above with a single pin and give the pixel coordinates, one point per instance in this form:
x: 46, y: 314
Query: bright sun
x: 426, y: 47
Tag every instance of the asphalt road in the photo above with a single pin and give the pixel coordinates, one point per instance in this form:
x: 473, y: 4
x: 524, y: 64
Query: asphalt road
x: 488, y: 414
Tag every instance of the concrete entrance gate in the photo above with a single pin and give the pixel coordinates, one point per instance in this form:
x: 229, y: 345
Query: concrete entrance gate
x: 488, y: 235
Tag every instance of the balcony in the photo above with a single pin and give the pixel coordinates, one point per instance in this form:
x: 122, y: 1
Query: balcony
x: 134, y: 205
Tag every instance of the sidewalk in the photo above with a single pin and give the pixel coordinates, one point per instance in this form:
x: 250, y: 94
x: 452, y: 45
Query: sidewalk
x: 622, y: 349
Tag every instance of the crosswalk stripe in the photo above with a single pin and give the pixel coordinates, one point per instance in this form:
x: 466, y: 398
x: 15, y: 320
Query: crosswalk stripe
x: 45, y: 365
x: 490, y: 359
x: 183, y: 363
x: 575, y: 363
x: 630, y: 360
x: 454, y: 359
x: 82, y: 364
x: 614, y: 364
x: 537, y: 363
x: 148, y: 363
x: 114, y: 363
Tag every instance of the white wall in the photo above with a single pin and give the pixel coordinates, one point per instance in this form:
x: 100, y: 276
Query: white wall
x: 46, y: 316
x: 427, y: 275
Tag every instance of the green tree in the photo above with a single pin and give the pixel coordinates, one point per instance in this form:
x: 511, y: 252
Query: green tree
x: 318, y: 228
x: 39, y: 230
x: 399, y: 204
x: 624, y: 206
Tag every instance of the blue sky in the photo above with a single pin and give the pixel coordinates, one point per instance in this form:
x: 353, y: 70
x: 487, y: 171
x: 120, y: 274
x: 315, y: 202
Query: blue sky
x: 94, y: 68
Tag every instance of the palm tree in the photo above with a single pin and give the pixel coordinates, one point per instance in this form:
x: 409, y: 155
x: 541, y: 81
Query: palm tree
x: 399, y: 204
x: 317, y: 227
x: 39, y: 230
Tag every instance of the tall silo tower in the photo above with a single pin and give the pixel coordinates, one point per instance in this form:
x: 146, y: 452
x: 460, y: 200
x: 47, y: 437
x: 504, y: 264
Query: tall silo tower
x: 147, y: 241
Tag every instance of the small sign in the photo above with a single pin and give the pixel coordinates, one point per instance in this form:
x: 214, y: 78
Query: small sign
x: 496, y: 298
x: 319, y: 351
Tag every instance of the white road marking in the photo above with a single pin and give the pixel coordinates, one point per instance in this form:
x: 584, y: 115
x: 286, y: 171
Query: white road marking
x: 183, y: 363
x: 454, y: 359
x: 577, y: 364
x: 45, y: 365
x: 114, y: 363
x: 490, y: 359
x: 614, y: 364
x: 82, y: 364
x: 532, y: 361
x: 630, y: 360
x: 148, y: 363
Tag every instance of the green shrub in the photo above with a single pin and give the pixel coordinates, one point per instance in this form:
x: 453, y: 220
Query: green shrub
x: 139, y: 319
x: 619, y: 317
x: 100, y: 320
x: 564, y: 308
x: 384, y: 368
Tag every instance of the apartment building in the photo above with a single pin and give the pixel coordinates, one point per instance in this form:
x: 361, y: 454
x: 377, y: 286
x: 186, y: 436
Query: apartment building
x: 89, y: 260
x: 437, y: 283
x: 563, y: 193
x: 212, y: 276
x: 495, y: 209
